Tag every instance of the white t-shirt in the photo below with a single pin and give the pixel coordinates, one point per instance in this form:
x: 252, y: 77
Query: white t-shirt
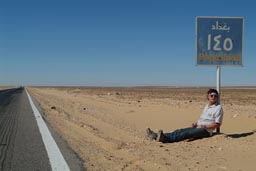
x: 211, y: 114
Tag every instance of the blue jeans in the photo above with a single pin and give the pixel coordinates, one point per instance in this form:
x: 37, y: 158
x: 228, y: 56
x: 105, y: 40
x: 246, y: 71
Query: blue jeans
x: 186, y: 133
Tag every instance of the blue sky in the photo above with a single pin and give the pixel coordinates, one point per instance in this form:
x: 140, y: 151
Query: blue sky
x: 115, y: 43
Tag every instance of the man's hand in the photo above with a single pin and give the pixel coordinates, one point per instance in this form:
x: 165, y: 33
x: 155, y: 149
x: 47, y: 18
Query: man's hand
x: 194, y: 125
x: 211, y: 126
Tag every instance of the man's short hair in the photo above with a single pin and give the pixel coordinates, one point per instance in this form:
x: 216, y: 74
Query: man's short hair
x: 212, y: 91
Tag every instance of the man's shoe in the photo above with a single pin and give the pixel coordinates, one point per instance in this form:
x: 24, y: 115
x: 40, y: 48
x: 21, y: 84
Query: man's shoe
x: 151, y: 134
x: 160, y: 136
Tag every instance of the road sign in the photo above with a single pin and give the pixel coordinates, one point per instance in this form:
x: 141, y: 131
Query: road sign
x: 219, y: 41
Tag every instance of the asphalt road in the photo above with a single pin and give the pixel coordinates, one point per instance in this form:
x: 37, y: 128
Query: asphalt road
x: 21, y: 145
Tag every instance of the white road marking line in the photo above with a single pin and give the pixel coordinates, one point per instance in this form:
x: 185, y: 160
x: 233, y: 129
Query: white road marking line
x: 57, y: 160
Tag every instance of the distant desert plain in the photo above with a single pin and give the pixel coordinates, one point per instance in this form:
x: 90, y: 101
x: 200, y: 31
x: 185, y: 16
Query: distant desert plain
x: 106, y: 127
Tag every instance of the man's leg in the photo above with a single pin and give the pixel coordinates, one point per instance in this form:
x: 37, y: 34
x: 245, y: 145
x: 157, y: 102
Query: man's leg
x: 186, y: 133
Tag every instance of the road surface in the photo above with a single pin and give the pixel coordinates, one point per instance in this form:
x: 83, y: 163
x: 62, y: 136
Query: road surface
x: 21, y: 144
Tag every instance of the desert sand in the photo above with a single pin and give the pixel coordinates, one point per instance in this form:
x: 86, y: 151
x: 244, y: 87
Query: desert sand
x: 7, y: 87
x: 106, y: 127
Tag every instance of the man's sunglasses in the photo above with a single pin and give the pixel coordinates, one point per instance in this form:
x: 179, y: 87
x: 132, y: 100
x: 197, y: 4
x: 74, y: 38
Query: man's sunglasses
x: 213, y: 95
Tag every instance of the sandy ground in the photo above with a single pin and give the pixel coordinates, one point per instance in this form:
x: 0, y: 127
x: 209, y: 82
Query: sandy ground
x: 106, y: 127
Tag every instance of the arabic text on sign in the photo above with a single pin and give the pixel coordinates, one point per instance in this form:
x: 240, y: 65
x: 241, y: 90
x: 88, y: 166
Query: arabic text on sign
x: 218, y: 26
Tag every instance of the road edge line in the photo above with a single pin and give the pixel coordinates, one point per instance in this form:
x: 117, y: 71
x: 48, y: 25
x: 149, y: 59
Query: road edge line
x: 56, y: 158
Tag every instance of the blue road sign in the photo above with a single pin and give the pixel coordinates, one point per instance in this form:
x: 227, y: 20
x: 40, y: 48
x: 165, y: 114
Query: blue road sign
x: 219, y: 40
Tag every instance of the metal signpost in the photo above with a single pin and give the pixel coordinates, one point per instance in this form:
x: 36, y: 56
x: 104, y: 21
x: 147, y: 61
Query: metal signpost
x: 219, y: 42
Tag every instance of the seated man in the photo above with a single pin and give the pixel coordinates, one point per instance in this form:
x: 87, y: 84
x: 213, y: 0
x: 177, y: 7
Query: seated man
x: 210, y: 119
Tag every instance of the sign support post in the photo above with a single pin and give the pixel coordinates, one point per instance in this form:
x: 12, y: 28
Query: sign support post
x: 218, y: 85
x: 218, y: 88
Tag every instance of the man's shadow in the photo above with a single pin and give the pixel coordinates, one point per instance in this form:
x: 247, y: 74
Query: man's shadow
x: 241, y: 135
x: 228, y: 135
